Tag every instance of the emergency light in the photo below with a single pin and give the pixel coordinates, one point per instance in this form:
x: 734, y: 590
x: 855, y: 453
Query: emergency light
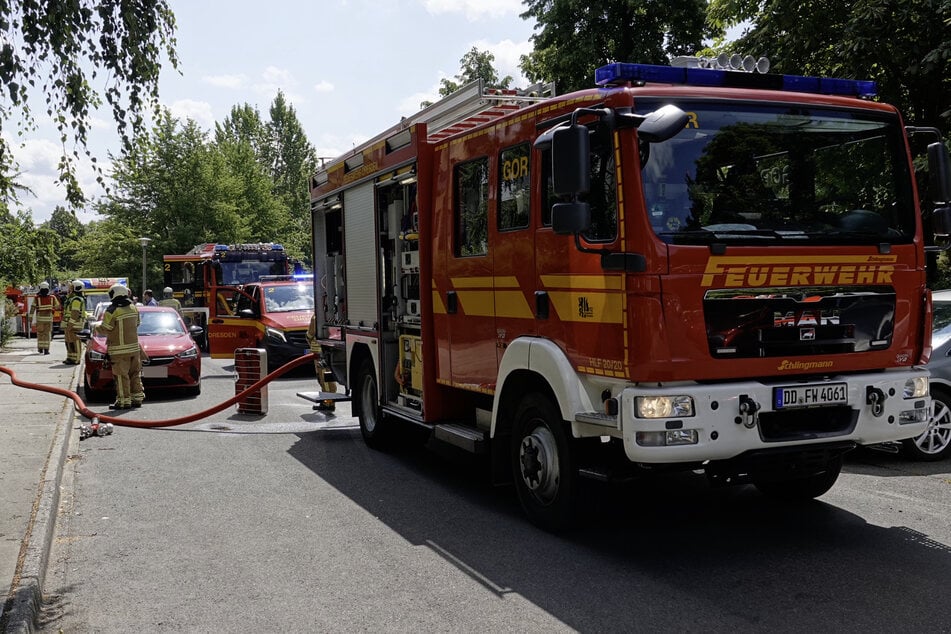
x: 621, y: 73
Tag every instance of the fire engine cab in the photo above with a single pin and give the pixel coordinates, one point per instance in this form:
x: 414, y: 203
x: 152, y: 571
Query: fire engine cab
x: 682, y: 268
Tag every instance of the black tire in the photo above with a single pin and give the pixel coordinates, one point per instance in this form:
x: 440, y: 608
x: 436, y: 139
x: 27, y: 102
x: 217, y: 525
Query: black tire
x: 373, y: 426
x: 805, y: 488
x: 935, y: 443
x: 543, y: 464
x: 95, y: 396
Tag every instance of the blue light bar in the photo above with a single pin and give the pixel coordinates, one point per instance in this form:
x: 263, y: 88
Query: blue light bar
x: 620, y: 73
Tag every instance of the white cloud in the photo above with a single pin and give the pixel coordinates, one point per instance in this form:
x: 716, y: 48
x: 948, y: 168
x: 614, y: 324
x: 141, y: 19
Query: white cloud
x: 225, y: 81
x: 199, y: 111
x: 38, y: 160
x: 475, y: 9
x: 323, y: 86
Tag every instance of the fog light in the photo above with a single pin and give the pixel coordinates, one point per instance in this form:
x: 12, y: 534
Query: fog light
x: 916, y: 387
x: 668, y: 438
x: 914, y: 416
x: 681, y: 437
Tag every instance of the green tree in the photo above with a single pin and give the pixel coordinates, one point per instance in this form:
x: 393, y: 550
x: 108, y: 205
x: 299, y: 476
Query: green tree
x: 475, y: 65
x: 28, y: 254
x: 109, y: 248
x: 177, y: 188
x: 573, y: 38
x: 60, y: 47
x: 291, y: 159
x: 68, y: 230
x: 902, y: 44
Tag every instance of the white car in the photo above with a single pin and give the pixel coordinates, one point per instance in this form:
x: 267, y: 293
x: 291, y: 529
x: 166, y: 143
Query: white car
x: 935, y: 443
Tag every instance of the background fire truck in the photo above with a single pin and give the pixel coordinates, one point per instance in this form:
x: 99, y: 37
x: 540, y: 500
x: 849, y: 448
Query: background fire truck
x: 207, y: 280
x: 684, y: 268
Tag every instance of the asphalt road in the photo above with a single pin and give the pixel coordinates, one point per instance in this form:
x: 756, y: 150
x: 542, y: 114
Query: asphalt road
x: 290, y: 523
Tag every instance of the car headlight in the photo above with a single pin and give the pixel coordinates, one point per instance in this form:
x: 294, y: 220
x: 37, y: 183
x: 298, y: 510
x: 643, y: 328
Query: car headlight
x: 96, y: 356
x: 916, y: 387
x: 276, y: 334
x: 191, y: 353
x: 663, y: 406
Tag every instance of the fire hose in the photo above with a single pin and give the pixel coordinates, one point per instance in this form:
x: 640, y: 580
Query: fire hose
x: 169, y: 422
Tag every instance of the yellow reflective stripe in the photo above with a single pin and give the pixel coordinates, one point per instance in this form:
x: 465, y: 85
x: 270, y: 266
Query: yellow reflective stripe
x: 597, y: 282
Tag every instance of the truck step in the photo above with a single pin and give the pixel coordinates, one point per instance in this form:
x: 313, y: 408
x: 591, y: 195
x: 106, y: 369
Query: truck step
x: 317, y: 397
x: 462, y: 436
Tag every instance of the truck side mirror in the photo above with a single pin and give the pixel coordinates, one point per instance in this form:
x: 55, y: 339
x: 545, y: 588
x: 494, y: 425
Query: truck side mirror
x: 569, y: 218
x: 939, y: 168
x: 570, y: 149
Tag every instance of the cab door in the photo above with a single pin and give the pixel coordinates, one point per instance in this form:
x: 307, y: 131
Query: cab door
x: 234, y: 321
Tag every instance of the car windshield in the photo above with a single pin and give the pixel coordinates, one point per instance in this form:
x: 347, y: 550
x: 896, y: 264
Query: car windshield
x: 753, y: 173
x: 160, y: 323
x: 285, y: 299
x: 941, y: 330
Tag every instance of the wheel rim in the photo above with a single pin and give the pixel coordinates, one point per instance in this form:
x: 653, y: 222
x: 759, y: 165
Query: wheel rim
x: 538, y: 461
x: 938, y: 435
x: 368, y: 402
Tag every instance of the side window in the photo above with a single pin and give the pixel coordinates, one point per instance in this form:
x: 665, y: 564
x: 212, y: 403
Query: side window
x: 471, y: 186
x: 514, y: 187
x: 603, y: 193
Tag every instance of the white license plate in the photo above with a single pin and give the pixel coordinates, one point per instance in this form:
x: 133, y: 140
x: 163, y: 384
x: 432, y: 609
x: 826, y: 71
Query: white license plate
x: 157, y: 372
x: 810, y: 395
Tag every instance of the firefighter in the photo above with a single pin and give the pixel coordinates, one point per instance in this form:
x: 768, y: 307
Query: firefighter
x: 169, y: 300
x: 120, y: 325
x: 74, y: 316
x: 44, y: 305
x: 320, y: 366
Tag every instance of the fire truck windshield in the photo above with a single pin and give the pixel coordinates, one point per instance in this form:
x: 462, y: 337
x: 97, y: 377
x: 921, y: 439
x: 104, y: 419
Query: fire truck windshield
x: 247, y: 271
x: 748, y: 173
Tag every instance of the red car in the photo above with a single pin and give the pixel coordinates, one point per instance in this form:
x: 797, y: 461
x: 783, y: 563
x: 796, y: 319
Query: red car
x: 174, y: 360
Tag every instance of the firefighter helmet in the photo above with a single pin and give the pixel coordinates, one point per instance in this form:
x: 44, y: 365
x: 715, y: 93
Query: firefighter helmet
x: 78, y: 286
x: 44, y: 286
x: 118, y: 290
x: 167, y: 291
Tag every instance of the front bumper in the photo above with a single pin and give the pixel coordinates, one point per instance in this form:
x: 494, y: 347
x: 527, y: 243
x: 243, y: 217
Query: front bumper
x: 731, y: 419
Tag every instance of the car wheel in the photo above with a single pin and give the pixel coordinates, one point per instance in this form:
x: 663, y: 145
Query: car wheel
x: 935, y: 442
x: 801, y: 489
x: 95, y: 396
x: 546, y: 479
x: 373, y: 426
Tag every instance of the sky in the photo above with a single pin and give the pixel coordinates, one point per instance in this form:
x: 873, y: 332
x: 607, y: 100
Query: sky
x: 350, y: 69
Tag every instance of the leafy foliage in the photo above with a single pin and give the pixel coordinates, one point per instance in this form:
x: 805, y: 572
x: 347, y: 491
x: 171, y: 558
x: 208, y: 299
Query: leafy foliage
x: 28, y: 254
x: 902, y: 44
x: 60, y: 47
x: 475, y: 65
x: 575, y: 37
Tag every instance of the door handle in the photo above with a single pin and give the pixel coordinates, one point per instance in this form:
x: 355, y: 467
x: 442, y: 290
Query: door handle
x: 452, y: 303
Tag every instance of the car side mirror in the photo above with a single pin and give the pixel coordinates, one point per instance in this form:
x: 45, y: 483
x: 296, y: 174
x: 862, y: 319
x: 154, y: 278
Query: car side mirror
x: 84, y: 334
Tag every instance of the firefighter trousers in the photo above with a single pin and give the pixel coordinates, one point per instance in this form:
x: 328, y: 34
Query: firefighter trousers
x: 44, y: 333
x: 74, y: 347
x: 127, y: 370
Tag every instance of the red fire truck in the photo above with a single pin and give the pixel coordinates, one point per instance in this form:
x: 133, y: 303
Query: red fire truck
x: 208, y: 282
x: 683, y: 268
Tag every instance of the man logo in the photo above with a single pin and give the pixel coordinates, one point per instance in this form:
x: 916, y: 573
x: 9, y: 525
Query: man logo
x: 807, y: 334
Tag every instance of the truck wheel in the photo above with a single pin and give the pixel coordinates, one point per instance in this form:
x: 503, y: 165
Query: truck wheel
x: 543, y: 465
x: 373, y: 427
x: 935, y: 442
x: 801, y: 489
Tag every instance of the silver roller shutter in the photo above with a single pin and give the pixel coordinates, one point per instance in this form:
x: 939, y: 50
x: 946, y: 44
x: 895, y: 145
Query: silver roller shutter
x: 360, y: 252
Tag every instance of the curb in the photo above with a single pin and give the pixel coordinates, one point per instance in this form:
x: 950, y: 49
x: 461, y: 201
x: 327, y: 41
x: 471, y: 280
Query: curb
x: 27, y: 597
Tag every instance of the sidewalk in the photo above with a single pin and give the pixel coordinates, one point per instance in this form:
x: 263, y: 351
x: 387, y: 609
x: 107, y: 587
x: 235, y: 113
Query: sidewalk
x: 34, y: 434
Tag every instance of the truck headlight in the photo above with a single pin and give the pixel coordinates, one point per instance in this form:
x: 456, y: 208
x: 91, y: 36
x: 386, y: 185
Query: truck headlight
x: 668, y: 438
x: 916, y: 387
x: 276, y: 334
x: 663, y: 406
